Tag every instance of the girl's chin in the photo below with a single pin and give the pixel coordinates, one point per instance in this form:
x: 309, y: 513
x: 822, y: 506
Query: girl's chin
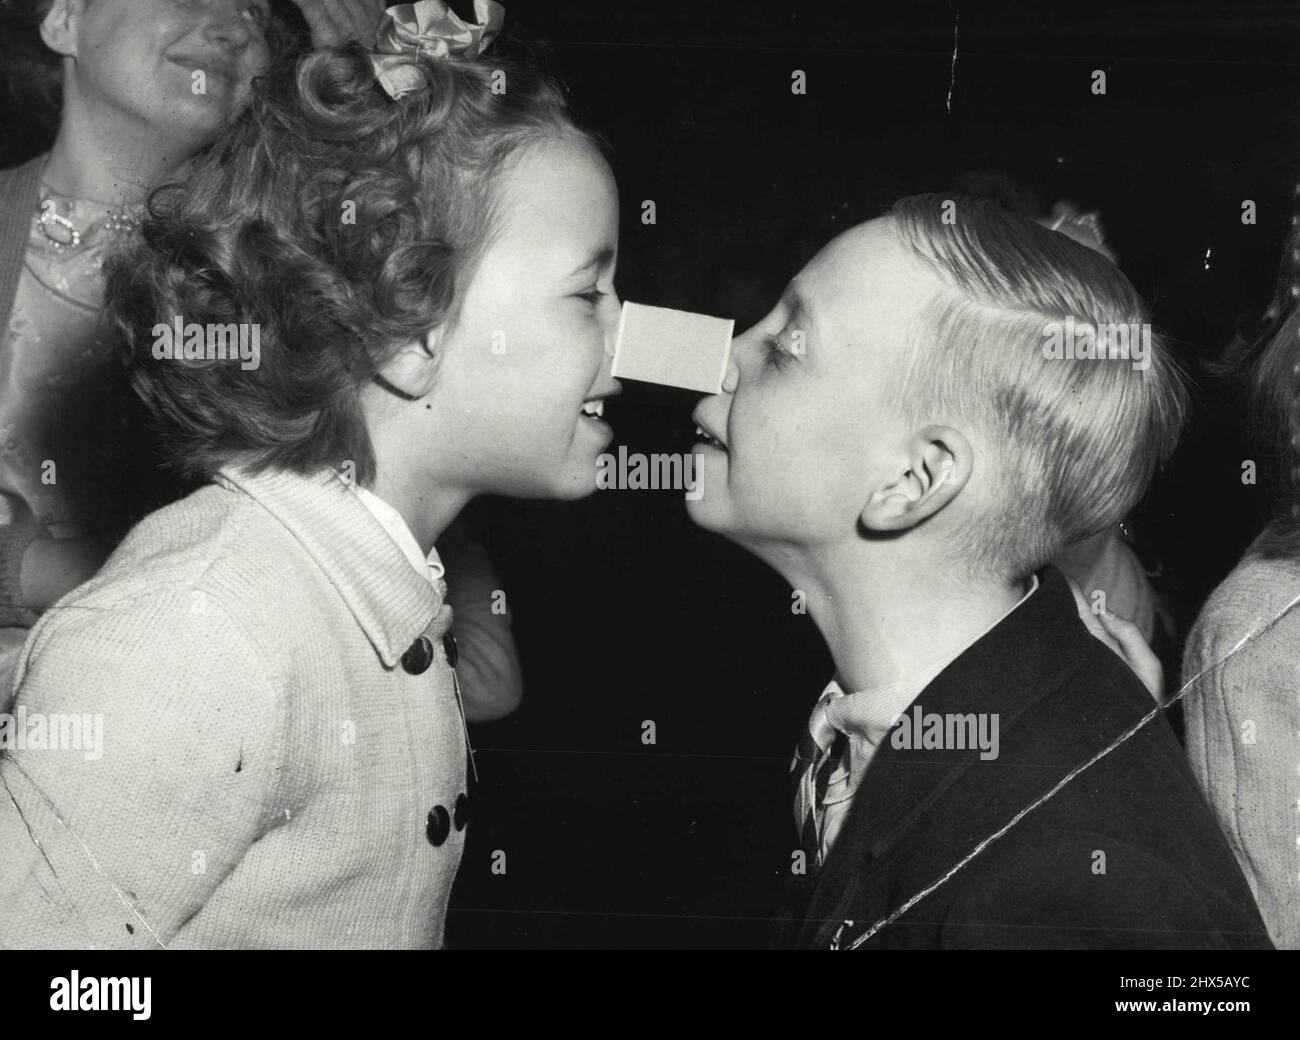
x: 595, y: 430
x: 575, y: 480
x: 705, y: 513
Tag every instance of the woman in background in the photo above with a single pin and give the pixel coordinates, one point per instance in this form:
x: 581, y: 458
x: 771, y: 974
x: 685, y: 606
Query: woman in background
x: 144, y: 84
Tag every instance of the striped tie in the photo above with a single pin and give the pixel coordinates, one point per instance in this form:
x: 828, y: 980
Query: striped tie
x: 820, y: 750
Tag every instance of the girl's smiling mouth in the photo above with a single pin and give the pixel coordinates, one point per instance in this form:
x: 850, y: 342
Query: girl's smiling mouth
x: 593, y: 408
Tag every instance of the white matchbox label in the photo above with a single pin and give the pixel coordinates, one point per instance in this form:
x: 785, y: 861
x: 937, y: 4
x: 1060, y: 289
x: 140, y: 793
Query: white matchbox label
x: 672, y: 348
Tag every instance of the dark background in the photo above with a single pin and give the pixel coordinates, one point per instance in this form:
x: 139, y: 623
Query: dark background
x: 625, y: 613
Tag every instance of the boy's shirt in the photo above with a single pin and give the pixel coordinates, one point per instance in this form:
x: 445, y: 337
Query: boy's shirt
x: 864, y: 718
x: 957, y: 849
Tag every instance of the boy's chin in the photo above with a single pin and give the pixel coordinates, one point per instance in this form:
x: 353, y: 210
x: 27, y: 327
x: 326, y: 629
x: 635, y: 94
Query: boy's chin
x: 719, y: 516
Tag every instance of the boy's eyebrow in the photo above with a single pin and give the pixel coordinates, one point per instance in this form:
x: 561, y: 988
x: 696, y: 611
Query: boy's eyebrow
x: 600, y: 257
x: 795, y: 303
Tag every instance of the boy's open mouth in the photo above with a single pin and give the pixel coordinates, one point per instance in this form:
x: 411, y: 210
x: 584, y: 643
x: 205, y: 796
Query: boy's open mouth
x: 708, y: 438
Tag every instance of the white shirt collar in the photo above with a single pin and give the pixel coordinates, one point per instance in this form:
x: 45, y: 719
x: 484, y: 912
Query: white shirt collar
x: 391, y: 521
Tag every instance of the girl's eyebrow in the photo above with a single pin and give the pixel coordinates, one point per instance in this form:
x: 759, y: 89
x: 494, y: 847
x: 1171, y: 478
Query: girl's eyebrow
x: 600, y: 257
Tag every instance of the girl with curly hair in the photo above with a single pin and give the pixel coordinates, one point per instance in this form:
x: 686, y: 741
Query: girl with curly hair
x: 423, y: 246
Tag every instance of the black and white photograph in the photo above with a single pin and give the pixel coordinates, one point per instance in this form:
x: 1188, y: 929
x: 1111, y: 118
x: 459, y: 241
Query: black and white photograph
x: 587, y: 476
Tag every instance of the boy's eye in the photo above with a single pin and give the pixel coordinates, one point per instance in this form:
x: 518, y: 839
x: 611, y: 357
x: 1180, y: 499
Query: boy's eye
x: 592, y: 296
x: 259, y: 13
x: 777, y: 355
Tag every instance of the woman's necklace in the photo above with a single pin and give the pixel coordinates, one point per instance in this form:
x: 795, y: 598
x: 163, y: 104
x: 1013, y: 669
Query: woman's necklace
x: 64, y: 234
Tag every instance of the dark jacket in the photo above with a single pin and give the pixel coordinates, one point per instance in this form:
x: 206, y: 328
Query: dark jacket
x: 1125, y: 855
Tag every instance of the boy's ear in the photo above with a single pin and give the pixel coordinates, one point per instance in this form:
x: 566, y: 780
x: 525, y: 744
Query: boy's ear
x: 60, y: 25
x: 939, y: 460
x: 414, y: 368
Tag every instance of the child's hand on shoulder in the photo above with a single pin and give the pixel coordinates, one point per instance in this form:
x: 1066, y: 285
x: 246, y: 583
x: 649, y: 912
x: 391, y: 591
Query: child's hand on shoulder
x: 1124, y: 638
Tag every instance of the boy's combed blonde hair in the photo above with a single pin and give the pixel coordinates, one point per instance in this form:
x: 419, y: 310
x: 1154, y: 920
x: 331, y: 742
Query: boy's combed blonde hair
x: 1076, y: 440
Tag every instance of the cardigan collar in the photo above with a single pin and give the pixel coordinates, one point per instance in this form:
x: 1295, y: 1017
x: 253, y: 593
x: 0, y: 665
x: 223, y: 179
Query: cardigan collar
x: 391, y: 602
x: 427, y: 565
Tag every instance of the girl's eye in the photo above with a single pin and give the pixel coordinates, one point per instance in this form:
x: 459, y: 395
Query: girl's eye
x: 592, y: 296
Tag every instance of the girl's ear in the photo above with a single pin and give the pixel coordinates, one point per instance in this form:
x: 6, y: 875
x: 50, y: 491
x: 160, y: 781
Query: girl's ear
x: 414, y: 368
x: 60, y: 26
x: 939, y: 462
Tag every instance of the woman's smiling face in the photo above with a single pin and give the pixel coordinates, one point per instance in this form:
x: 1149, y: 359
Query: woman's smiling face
x: 181, y: 68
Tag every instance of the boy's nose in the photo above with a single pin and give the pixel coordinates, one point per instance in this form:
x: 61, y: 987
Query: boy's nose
x: 611, y: 326
x: 731, y: 377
